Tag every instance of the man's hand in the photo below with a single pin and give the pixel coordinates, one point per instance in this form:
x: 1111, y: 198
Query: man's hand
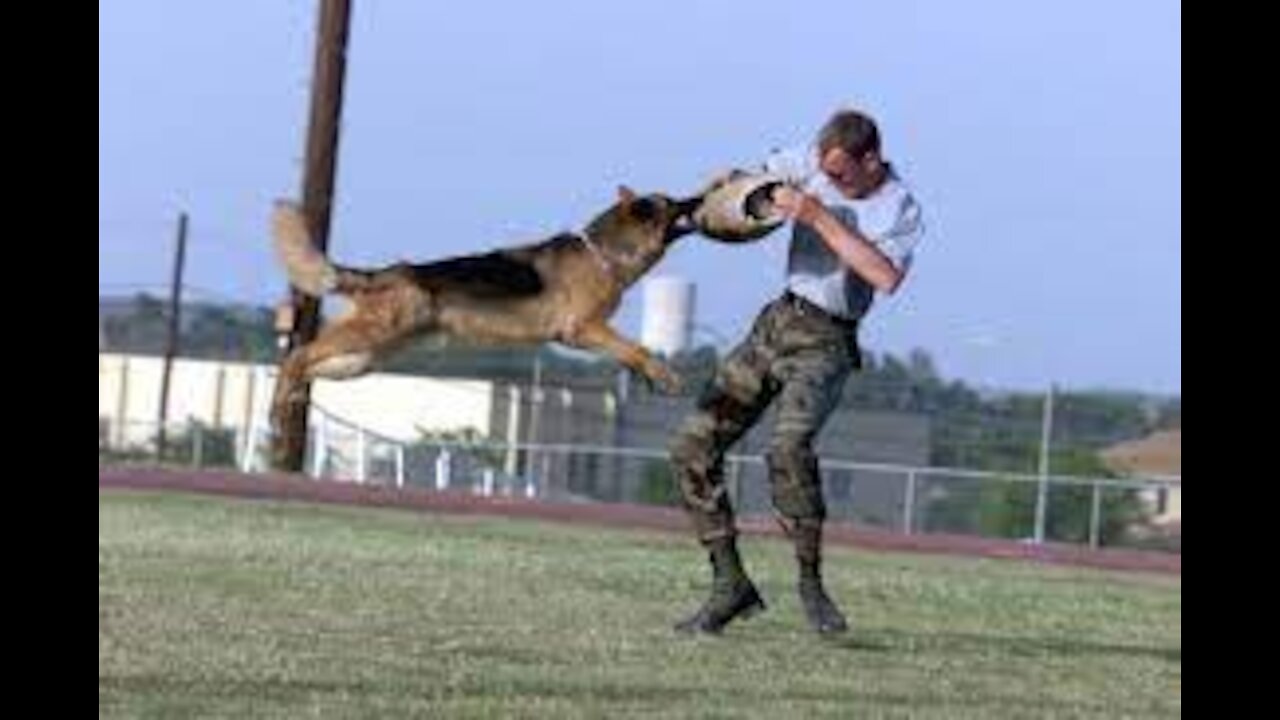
x: 854, y: 250
x: 798, y: 205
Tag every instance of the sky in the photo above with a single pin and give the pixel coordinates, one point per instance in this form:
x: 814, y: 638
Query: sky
x: 1043, y: 141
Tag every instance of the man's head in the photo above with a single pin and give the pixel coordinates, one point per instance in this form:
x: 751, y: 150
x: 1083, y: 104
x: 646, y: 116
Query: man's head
x: 849, y: 153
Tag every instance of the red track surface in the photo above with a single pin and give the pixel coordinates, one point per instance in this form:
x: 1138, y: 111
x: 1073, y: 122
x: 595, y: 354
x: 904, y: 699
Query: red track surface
x: 274, y: 487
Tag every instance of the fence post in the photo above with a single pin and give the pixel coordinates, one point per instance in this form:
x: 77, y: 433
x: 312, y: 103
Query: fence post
x: 320, y: 455
x: 1095, y: 519
x: 443, y: 470
x: 197, y: 445
x: 909, y: 505
x: 362, y: 456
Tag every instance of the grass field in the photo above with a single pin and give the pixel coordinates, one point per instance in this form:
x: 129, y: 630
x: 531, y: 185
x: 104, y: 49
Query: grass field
x: 216, y: 608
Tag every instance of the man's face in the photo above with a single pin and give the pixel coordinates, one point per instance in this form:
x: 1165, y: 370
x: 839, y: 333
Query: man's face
x: 854, y: 177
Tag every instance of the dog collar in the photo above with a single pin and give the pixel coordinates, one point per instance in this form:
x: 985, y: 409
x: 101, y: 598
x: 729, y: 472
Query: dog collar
x: 605, y: 265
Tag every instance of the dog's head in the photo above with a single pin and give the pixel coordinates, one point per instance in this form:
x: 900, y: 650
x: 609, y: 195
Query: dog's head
x: 644, y: 224
x: 636, y: 230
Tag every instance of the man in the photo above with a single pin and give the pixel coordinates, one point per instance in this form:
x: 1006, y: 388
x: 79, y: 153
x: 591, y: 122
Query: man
x: 854, y: 228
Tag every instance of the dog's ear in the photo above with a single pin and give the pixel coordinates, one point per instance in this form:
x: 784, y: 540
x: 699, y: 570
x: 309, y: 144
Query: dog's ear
x: 625, y: 194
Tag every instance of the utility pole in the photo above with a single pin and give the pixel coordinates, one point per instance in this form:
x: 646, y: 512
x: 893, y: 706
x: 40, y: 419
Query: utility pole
x: 171, y: 336
x: 327, y: 82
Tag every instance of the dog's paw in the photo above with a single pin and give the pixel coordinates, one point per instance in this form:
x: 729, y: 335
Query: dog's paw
x: 662, y: 379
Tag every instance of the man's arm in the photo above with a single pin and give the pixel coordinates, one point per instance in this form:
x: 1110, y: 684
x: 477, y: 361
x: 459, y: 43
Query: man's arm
x: 853, y: 249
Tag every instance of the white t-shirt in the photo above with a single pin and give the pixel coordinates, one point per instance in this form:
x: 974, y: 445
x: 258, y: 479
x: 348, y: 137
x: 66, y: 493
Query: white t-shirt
x: 890, y: 218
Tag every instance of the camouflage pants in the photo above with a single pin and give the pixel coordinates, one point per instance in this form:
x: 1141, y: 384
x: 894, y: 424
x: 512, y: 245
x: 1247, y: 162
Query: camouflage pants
x: 797, y: 355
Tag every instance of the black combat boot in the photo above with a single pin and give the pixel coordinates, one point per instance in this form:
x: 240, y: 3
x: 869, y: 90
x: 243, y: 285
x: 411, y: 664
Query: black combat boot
x: 733, y: 596
x: 821, y: 612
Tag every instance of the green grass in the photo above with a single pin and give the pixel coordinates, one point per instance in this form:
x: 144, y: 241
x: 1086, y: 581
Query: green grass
x: 214, y: 608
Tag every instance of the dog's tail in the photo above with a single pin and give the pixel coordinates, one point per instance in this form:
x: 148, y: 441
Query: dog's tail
x: 309, y: 270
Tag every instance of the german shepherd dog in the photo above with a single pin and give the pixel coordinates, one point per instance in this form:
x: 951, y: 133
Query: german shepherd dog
x: 564, y: 289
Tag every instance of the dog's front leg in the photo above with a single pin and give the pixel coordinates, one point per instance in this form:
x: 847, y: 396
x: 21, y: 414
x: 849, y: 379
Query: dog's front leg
x: 602, y: 338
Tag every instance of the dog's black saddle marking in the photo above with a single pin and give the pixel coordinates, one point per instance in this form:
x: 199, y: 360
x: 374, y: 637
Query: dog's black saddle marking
x: 494, y: 275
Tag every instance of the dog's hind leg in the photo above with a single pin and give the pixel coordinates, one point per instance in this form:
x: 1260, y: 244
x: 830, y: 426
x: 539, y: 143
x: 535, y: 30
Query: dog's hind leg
x: 344, y: 350
x: 287, y: 404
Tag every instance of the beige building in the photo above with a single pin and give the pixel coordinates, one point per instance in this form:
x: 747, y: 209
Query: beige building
x: 224, y: 395
x: 1156, y: 456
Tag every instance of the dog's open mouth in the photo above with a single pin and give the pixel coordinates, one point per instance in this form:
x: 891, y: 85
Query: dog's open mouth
x: 681, y: 226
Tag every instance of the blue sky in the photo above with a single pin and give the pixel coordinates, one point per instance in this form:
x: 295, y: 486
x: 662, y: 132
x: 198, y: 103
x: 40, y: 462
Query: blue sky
x: 1044, y: 140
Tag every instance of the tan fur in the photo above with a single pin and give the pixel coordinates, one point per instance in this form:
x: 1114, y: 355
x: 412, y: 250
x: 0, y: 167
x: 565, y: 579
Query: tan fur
x: 560, y: 290
x: 309, y: 270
